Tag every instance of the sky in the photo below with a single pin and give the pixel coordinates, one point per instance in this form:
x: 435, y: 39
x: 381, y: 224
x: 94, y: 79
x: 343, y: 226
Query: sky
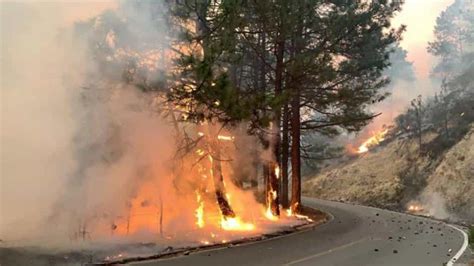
x: 418, y: 15
x: 420, y: 18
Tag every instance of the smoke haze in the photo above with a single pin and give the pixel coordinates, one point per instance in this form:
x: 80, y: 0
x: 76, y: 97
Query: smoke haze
x: 37, y: 116
x: 73, y: 136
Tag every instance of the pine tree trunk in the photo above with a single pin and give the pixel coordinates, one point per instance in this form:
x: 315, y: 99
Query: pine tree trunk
x: 295, y: 152
x: 297, y: 44
x: 284, y: 158
x: 272, y: 189
x: 274, y: 181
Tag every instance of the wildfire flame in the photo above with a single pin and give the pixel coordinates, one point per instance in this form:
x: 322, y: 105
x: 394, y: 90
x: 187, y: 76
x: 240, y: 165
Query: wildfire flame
x: 200, y: 211
x: 270, y: 216
x: 235, y: 224
x: 415, y: 208
x: 268, y: 213
x: 200, y: 152
x: 372, y: 141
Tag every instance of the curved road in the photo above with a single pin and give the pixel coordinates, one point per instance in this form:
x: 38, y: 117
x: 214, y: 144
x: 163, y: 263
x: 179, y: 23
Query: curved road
x: 356, y: 235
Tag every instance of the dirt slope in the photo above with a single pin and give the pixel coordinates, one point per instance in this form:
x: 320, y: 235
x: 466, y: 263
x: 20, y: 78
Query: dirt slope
x: 394, y: 174
x: 453, y: 179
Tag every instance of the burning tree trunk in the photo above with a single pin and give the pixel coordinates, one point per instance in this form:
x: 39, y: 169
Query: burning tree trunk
x: 218, y: 178
x: 273, y: 185
x: 273, y: 188
x: 215, y: 159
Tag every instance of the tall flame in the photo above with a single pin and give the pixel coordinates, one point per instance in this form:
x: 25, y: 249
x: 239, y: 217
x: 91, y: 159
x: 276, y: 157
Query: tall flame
x: 200, y: 211
x: 268, y: 213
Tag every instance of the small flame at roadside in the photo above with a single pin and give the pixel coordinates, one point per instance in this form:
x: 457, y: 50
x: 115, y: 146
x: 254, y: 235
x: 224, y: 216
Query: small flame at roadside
x: 415, y: 208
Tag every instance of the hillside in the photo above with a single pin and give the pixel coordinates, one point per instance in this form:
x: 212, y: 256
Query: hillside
x: 453, y: 179
x: 395, y: 174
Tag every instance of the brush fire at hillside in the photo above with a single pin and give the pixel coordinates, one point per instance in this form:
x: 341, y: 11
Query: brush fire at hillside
x: 372, y: 141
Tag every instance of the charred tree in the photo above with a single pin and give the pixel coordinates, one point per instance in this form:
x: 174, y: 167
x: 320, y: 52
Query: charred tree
x: 218, y: 177
x: 272, y: 195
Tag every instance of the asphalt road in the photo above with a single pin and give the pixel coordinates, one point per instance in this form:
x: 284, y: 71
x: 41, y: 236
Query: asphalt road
x: 356, y: 235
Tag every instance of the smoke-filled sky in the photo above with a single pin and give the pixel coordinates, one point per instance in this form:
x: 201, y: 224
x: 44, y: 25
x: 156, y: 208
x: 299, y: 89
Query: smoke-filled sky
x: 36, y: 123
x: 420, y: 18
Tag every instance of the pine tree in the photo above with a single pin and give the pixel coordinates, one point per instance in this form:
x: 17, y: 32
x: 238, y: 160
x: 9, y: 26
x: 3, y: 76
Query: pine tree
x: 323, y: 59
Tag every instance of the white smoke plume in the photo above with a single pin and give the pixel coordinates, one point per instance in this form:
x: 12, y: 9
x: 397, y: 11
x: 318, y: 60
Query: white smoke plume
x: 76, y: 140
x: 38, y: 120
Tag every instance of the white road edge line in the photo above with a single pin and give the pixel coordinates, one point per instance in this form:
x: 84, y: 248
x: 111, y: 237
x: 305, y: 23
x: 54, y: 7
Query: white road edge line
x: 463, y: 247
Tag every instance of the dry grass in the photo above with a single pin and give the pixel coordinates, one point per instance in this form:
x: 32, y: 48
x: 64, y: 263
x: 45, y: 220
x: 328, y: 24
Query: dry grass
x: 454, y: 178
x: 395, y: 173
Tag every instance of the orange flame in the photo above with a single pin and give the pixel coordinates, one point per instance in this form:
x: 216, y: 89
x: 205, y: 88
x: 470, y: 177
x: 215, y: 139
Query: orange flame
x: 372, y: 141
x: 272, y: 195
x: 415, y: 208
x: 200, y: 211
x: 235, y: 224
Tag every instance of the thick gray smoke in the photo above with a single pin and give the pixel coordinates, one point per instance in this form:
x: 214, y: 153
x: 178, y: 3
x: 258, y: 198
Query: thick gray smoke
x: 74, y: 137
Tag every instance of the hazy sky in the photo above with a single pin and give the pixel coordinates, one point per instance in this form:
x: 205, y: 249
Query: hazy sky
x: 420, y: 18
x: 418, y: 15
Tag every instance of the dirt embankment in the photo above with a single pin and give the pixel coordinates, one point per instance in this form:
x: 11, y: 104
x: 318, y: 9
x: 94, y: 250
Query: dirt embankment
x: 395, y: 173
x: 453, y: 179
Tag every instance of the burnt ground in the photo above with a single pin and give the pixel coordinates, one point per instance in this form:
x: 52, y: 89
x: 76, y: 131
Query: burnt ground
x: 35, y: 256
